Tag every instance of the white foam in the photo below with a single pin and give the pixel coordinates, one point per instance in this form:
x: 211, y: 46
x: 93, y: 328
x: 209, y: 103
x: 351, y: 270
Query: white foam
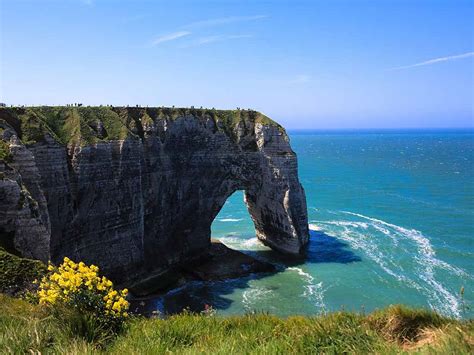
x: 312, y: 290
x: 230, y: 219
x: 360, y: 240
x: 232, y: 241
x: 426, y: 262
x: 423, y: 243
x: 314, y: 227
x: 242, y: 244
x: 252, y: 243
x: 347, y: 224
x: 307, y: 277
x: 253, y: 295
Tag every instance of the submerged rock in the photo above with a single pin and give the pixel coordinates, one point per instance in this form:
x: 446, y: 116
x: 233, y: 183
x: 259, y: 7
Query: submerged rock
x: 135, y: 190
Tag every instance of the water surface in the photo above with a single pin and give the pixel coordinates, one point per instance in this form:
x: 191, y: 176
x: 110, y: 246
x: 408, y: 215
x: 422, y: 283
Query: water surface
x: 392, y: 221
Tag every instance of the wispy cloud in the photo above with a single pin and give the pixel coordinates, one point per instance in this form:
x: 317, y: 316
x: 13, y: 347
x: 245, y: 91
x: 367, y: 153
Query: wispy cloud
x: 195, y: 26
x: 216, y: 38
x: 224, y: 21
x: 88, y: 2
x: 169, y: 37
x: 436, y: 60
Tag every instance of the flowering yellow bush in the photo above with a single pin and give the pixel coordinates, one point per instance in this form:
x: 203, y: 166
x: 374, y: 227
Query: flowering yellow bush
x: 79, y: 285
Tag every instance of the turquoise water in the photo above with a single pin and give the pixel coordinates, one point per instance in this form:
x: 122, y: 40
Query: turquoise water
x: 392, y: 221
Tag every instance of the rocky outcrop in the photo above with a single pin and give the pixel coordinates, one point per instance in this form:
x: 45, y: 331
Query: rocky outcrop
x: 135, y: 190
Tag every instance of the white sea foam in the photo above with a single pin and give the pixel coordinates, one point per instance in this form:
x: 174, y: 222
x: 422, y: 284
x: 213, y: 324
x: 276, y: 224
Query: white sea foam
x: 253, y: 295
x: 314, y: 227
x: 304, y: 275
x: 347, y: 224
x: 230, y: 219
x: 242, y: 244
x: 232, y: 241
x: 252, y: 243
x: 312, y: 290
x: 357, y: 234
x: 423, y: 243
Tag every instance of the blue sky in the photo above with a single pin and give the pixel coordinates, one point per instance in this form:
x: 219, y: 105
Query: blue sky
x: 307, y: 64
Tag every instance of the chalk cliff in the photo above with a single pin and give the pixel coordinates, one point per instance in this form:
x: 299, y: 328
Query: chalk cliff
x: 135, y: 190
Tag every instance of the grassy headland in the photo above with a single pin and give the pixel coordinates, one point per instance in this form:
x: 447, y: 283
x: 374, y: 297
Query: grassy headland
x: 84, y: 125
x: 31, y: 328
x: 26, y: 327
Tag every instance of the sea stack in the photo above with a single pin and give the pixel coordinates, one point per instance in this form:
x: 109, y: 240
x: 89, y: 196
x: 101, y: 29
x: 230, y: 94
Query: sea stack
x: 135, y: 190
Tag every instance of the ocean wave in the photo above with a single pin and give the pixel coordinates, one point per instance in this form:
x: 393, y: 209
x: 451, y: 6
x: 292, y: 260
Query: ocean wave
x: 347, y: 223
x: 314, y: 227
x: 242, y: 244
x: 361, y: 240
x: 423, y: 242
x: 254, y: 295
x: 358, y: 233
x: 252, y: 243
x: 312, y: 290
x: 230, y: 219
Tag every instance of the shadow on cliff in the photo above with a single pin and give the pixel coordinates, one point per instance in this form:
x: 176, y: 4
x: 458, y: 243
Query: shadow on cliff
x: 196, y: 296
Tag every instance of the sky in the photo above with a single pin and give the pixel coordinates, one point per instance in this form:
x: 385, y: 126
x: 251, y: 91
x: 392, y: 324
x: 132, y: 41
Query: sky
x: 307, y: 64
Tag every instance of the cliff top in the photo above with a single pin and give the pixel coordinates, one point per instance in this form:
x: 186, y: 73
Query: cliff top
x: 87, y: 125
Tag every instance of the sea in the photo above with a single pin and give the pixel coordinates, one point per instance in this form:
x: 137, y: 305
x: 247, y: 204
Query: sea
x: 391, y: 218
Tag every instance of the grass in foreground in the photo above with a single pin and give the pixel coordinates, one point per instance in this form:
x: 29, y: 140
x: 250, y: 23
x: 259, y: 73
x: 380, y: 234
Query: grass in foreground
x: 30, y: 328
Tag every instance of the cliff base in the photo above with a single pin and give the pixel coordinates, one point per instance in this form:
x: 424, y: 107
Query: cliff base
x: 219, y: 263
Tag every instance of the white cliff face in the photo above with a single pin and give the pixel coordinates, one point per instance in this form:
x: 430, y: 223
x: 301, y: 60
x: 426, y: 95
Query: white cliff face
x: 24, y: 218
x: 140, y: 205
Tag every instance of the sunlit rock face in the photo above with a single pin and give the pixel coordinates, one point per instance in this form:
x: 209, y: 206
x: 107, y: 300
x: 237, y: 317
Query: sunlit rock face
x: 135, y: 190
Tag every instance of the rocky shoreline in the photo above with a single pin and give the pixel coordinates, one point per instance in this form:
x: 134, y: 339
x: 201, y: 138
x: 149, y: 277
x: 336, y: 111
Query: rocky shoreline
x: 218, y: 264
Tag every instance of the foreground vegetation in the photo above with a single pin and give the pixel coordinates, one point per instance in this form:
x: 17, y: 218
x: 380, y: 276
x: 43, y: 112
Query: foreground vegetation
x: 17, y: 274
x: 76, y: 311
x: 25, y: 327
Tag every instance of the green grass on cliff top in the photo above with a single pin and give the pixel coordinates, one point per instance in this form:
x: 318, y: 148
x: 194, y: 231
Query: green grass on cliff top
x: 89, y: 125
x: 31, y: 328
x: 27, y: 328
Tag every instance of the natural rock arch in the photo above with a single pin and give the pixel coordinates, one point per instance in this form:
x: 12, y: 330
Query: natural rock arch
x: 139, y: 205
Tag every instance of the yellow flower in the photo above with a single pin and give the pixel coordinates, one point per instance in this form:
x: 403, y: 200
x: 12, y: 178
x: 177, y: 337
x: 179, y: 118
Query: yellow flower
x: 70, y: 278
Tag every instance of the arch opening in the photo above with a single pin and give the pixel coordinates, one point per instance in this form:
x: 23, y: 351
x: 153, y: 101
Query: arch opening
x: 234, y: 226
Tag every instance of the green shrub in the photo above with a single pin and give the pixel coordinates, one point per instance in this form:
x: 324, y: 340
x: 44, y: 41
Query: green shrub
x: 17, y: 274
x: 5, y: 154
x: 92, y: 307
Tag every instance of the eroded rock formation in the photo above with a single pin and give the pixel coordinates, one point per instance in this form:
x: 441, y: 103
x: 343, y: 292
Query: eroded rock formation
x: 135, y: 190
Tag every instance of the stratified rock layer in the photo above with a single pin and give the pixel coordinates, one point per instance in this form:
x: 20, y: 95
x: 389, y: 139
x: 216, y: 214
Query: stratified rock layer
x: 135, y: 190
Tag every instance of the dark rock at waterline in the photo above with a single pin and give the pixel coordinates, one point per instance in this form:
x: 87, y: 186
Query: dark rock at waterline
x: 135, y: 190
x: 225, y: 263
x: 218, y: 264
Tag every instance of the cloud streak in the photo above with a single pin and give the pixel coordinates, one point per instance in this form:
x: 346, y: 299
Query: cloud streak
x: 195, y: 26
x: 436, y: 60
x: 169, y: 37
